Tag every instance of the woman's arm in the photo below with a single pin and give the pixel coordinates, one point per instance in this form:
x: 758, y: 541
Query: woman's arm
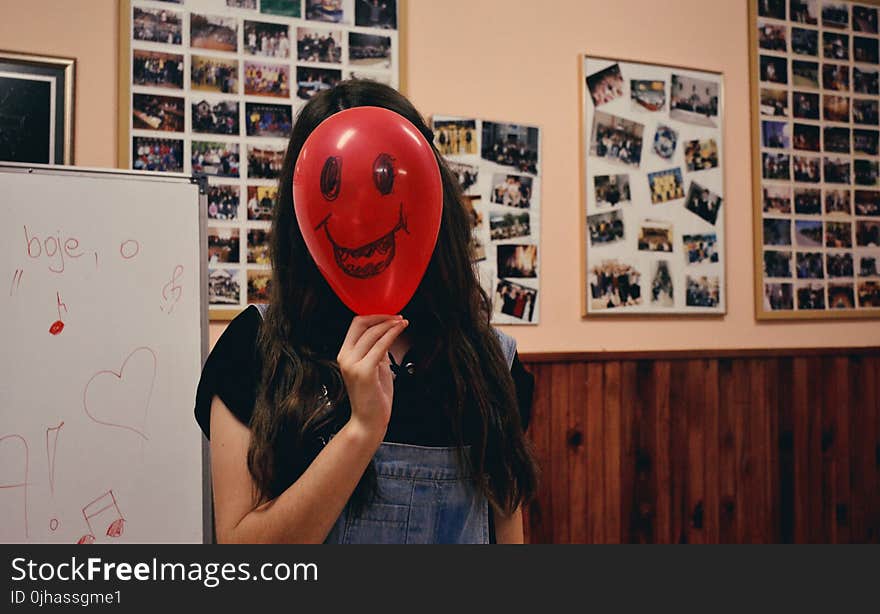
x: 307, y: 510
x: 508, y: 529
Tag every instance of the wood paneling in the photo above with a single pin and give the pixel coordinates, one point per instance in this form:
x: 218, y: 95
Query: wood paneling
x: 775, y: 446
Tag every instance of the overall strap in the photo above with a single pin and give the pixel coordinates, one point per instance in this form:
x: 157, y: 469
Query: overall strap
x: 508, y: 346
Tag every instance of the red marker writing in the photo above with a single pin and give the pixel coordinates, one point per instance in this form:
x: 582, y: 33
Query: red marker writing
x: 58, y: 325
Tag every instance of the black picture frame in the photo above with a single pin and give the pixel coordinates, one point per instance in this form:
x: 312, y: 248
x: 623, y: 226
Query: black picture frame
x: 36, y: 108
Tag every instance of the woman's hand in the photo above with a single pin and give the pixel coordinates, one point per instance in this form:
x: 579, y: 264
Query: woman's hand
x: 363, y: 361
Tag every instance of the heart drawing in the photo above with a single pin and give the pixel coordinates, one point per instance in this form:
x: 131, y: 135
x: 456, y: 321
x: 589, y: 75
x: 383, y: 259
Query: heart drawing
x: 121, y: 398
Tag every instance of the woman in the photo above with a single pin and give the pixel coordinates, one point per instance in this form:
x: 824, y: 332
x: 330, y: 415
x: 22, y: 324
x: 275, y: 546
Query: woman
x: 326, y: 427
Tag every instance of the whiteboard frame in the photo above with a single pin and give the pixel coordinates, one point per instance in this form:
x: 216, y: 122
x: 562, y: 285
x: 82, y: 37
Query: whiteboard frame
x: 76, y: 171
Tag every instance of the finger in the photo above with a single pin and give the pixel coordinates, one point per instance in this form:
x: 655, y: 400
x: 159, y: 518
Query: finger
x: 381, y: 347
x: 361, y: 323
x: 369, y: 339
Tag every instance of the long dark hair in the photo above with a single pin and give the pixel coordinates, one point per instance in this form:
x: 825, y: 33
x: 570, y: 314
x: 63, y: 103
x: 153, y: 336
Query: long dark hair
x: 302, y: 400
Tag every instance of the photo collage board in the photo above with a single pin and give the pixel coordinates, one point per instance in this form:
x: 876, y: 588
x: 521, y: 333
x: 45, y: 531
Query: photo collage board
x: 215, y: 86
x: 499, y: 168
x: 815, y: 96
x: 653, y: 189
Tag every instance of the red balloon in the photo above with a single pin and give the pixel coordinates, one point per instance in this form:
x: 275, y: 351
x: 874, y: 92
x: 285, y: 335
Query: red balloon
x: 368, y: 200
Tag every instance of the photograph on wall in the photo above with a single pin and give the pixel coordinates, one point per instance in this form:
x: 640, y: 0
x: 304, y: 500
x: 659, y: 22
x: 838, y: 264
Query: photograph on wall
x: 213, y: 74
x: 376, y: 13
x: 258, y: 285
x: 213, y: 32
x: 331, y: 11
x: 223, y: 286
x: 498, y: 166
x: 260, y: 200
x: 215, y: 117
x: 616, y: 139
x: 157, y: 69
x: 156, y: 154
x: 369, y: 50
x: 653, y: 187
x: 319, y: 45
x: 267, y: 39
x: 614, y: 285
x: 283, y: 8
x: 223, y: 201
x: 815, y: 161
x: 510, y: 145
x: 154, y: 112
x: 214, y: 87
x: 456, y: 136
x: 157, y: 25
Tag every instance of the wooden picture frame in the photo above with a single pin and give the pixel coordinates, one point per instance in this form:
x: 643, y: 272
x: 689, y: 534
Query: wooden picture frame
x: 810, y: 180
x: 37, y: 107
x: 652, y: 233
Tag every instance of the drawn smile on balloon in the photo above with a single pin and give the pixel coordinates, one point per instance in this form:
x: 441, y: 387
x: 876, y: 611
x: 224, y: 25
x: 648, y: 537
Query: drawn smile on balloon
x: 367, y: 260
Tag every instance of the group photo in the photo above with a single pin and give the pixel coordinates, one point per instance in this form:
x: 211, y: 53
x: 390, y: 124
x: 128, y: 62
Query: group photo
x: 213, y: 158
x: 165, y: 113
x: 510, y: 145
x: 314, y: 45
x: 271, y: 40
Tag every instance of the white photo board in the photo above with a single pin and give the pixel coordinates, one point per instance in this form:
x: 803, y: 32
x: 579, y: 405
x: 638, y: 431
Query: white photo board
x: 498, y: 165
x: 103, y: 318
x: 653, y: 189
x: 215, y: 86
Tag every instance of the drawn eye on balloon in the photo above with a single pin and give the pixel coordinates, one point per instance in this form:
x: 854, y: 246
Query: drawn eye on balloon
x: 383, y: 173
x: 331, y: 177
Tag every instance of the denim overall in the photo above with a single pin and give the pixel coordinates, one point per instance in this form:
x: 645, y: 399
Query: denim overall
x: 424, y: 496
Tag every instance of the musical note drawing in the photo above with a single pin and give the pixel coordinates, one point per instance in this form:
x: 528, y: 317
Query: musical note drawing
x: 114, y: 398
x: 16, y: 280
x: 17, y: 482
x: 171, y: 291
x: 51, y: 447
x: 58, y: 325
x: 52, y: 433
x: 97, y: 507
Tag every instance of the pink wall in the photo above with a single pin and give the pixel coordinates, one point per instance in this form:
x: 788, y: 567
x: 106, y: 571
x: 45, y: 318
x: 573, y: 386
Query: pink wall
x: 81, y: 29
x: 515, y: 60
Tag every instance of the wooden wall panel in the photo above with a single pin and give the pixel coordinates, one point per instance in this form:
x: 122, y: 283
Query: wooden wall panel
x: 736, y: 447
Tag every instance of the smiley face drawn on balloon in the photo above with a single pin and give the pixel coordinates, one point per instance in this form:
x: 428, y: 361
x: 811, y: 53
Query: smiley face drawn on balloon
x: 374, y: 257
x: 368, y: 200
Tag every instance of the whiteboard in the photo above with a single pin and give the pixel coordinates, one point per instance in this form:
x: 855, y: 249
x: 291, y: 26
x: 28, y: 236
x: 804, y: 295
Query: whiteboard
x: 103, y: 321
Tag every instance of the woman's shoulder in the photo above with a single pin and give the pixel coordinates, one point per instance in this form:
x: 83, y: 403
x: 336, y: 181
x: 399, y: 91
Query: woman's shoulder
x: 240, y: 334
x: 232, y: 369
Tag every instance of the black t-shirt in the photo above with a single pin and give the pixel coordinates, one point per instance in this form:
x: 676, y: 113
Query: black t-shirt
x: 232, y: 372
